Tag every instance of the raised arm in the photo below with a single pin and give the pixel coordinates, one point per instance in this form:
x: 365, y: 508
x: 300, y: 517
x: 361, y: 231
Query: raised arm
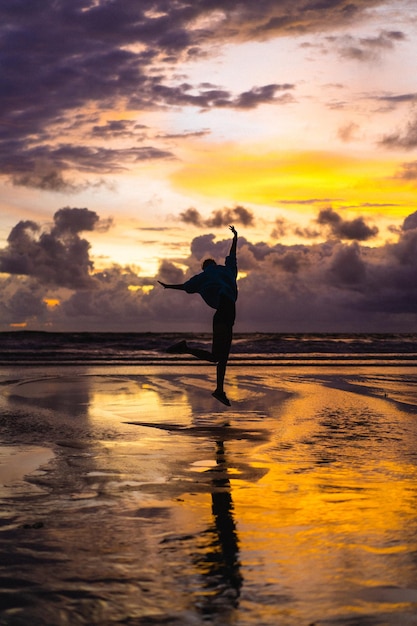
x: 234, y: 242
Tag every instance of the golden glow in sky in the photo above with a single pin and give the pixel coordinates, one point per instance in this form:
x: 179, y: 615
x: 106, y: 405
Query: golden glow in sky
x: 271, y: 178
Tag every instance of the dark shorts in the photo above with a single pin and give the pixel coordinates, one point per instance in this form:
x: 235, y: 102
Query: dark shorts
x: 223, y: 321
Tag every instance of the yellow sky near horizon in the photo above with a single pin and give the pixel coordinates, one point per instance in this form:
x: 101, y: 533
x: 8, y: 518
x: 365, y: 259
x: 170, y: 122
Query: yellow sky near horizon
x: 277, y: 178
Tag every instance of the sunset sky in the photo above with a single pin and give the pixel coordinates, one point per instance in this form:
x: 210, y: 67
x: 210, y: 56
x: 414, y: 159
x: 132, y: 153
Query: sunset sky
x: 133, y: 132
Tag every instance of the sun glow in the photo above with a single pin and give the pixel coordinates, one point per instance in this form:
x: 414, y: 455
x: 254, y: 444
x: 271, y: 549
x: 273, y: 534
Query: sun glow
x: 51, y: 303
x: 144, y: 288
x: 274, y: 177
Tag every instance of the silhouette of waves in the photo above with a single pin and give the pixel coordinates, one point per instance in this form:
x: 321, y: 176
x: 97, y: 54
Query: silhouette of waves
x: 33, y: 347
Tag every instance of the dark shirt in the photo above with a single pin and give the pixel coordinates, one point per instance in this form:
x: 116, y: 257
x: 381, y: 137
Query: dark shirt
x: 215, y: 281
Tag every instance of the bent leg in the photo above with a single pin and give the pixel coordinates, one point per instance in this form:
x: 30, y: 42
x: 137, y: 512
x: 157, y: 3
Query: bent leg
x: 201, y: 354
x: 183, y: 348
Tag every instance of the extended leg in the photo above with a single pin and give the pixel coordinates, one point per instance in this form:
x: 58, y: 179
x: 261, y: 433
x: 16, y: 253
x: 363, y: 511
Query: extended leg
x: 203, y: 355
x: 183, y: 348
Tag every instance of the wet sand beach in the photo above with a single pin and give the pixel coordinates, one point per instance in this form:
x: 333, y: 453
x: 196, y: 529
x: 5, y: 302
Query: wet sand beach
x: 130, y: 496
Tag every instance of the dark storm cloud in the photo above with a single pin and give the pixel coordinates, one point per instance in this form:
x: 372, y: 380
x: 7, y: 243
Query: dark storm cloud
x: 405, y: 250
x: 223, y: 217
x: 170, y: 273
x: 73, y: 221
x: 219, y: 218
x: 328, y: 220
x: 24, y: 303
x: 261, y: 95
x: 184, y: 95
x: 290, y: 262
x: 410, y: 222
x: 119, y: 128
x: 336, y: 286
x: 46, y: 166
x: 320, y: 287
x: 356, y: 229
x: 55, y: 256
x: 205, y: 246
x: 60, y: 57
x: 347, y: 266
x: 287, y: 17
x: 327, y: 286
x: 192, y: 216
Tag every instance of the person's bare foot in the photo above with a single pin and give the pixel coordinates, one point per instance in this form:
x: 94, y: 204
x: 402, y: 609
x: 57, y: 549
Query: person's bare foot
x: 221, y: 396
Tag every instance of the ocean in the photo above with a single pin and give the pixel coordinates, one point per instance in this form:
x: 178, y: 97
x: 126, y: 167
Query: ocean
x: 32, y: 348
x: 129, y: 495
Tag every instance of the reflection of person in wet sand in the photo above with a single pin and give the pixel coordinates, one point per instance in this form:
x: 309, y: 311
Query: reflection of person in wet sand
x: 222, y: 507
x: 220, y: 565
x: 217, y: 286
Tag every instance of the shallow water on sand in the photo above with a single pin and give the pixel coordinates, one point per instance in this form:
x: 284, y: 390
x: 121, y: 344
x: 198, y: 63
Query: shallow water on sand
x: 154, y: 504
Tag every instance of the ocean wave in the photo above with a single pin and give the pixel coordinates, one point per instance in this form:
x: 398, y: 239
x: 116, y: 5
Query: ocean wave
x: 28, y: 347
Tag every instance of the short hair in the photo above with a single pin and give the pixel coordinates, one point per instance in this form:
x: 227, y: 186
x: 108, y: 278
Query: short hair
x: 208, y: 262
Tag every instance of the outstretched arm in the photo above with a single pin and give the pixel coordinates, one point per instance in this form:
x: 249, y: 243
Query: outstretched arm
x: 234, y: 242
x: 166, y: 286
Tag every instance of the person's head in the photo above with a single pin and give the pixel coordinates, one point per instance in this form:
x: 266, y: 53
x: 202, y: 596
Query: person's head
x: 208, y: 262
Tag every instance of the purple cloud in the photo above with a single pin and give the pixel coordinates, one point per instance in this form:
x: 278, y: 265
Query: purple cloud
x: 327, y: 286
x: 58, y: 58
x: 57, y: 256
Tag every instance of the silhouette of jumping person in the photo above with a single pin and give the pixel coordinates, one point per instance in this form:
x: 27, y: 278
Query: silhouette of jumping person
x: 217, y: 286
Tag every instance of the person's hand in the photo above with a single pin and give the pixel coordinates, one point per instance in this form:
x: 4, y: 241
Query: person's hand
x: 163, y: 284
x: 234, y: 231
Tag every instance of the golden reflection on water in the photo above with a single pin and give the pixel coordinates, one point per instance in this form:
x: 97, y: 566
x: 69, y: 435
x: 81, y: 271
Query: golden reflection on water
x: 336, y: 511
x: 302, y: 510
x: 325, y: 515
x: 135, y: 399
